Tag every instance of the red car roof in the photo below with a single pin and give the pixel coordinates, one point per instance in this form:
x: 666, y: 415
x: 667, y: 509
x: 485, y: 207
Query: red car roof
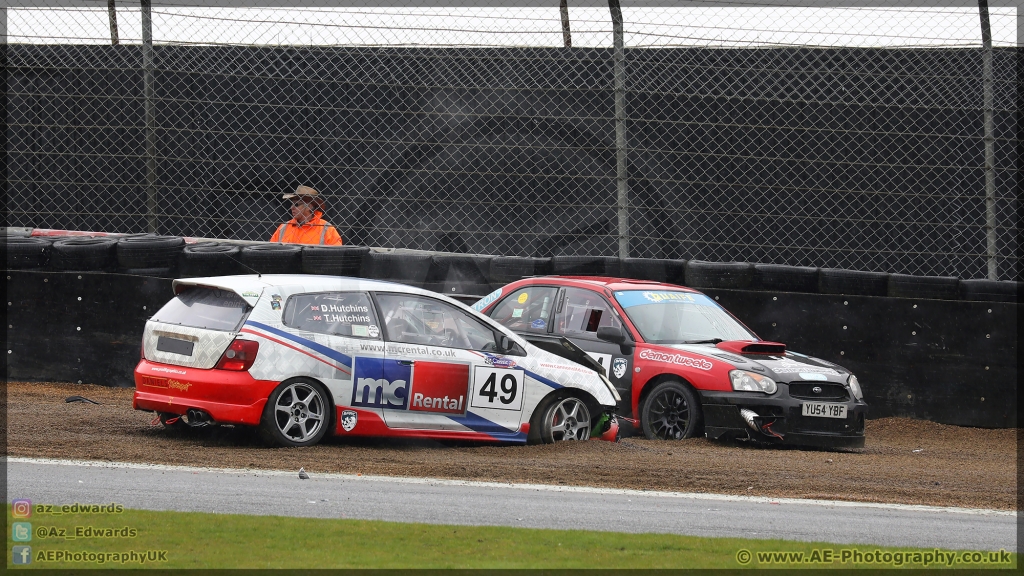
x: 612, y: 283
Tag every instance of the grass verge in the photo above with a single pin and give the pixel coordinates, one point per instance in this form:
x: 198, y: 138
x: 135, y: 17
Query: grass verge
x: 147, y: 539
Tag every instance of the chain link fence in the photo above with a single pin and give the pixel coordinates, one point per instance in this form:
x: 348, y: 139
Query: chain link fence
x: 870, y: 138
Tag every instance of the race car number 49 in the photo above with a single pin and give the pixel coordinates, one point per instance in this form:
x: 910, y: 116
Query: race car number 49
x: 824, y: 410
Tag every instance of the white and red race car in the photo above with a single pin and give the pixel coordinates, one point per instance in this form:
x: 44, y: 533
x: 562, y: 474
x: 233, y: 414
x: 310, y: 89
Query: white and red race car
x: 303, y: 356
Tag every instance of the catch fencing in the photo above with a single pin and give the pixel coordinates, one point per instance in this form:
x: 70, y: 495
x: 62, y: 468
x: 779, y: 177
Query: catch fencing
x: 863, y: 138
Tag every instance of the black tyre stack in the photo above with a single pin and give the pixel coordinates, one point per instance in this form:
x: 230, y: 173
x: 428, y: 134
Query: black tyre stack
x: 272, y: 259
x: 82, y: 253
x: 209, y: 259
x: 990, y: 290
x: 334, y: 260
x: 409, y: 268
x: 852, y: 282
x: 149, y: 254
x: 25, y: 253
x: 654, y: 269
x: 702, y: 274
x: 777, y: 277
x: 586, y: 266
x: 506, y: 269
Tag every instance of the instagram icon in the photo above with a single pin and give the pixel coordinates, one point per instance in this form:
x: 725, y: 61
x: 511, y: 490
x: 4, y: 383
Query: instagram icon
x: 21, y: 508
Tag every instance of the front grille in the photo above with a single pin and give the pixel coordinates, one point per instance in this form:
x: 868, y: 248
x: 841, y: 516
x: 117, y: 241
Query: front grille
x: 830, y: 391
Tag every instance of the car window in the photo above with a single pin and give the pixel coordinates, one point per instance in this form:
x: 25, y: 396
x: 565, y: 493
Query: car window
x: 420, y: 320
x: 200, y: 307
x: 582, y: 313
x: 527, y: 309
x: 338, y: 313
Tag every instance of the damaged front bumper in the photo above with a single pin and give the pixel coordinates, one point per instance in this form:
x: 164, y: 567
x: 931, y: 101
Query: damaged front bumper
x: 779, y: 419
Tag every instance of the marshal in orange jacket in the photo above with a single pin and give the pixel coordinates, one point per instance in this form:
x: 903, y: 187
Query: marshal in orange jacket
x: 315, y: 231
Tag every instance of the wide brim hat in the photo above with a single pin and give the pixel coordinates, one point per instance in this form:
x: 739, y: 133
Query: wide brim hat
x: 308, y: 194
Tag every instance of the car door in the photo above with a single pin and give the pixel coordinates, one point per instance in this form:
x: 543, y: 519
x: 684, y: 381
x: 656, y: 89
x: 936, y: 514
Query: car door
x: 578, y: 314
x: 442, y: 371
x: 343, y: 333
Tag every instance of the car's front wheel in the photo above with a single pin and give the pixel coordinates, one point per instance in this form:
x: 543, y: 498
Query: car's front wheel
x: 564, y: 419
x: 670, y: 412
x: 296, y: 414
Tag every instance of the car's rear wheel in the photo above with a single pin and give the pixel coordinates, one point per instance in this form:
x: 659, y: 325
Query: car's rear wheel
x: 564, y: 419
x: 297, y: 414
x: 670, y: 412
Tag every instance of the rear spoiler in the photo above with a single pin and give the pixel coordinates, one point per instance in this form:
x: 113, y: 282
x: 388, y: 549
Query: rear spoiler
x: 245, y: 290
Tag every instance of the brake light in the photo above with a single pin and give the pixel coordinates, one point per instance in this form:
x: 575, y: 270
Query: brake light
x: 239, y: 356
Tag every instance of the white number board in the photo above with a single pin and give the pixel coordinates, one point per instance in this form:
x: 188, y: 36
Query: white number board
x: 498, y: 388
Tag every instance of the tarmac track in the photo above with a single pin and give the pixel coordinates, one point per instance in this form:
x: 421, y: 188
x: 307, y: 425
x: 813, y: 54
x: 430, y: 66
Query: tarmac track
x: 458, y: 502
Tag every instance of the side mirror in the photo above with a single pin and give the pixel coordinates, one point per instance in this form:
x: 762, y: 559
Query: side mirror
x: 504, y: 344
x: 616, y: 335
x: 611, y: 334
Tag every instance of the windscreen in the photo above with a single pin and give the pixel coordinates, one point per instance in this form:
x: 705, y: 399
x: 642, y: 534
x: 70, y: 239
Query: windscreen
x: 200, y: 307
x: 670, y: 317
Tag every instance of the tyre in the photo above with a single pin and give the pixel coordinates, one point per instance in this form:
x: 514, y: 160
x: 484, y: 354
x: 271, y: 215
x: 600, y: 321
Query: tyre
x: 459, y: 275
x: 853, y: 282
x: 935, y: 287
x: 404, y: 267
x: 989, y: 290
x: 654, y: 269
x: 333, y: 260
x: 506, y: 269
x: 776, y: 277
x: 26, y: 253
x: 561, y: 419
x: 735, y: 275
x: 149, y: 251
x: 297, y: 414
x: 272, y: 258
x: 83, y: 253
x: 209, y: 259
x: 671, y: 412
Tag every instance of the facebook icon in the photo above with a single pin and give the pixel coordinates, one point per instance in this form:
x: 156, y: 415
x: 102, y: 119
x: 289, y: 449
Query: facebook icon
x: 21, y: 554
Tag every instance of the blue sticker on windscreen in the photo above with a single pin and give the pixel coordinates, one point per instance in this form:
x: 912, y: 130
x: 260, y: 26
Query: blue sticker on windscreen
x: 631, y: 298
x: 538, y: 323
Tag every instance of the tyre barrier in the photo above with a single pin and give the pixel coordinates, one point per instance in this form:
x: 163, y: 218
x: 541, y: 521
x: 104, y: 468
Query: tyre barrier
x: 209, y: 259
x: 735, y: 275
x: 24, y: 253
x: 777, y: 277
x: 402, y: 267
x: 989, y: 290
x: 585, y: 266
x: 458, y: 275
x: 148, y: 251
x: 271, y: 258
x: 654, y: 269
x: 505, y: 269
x: 852, y: 282
x: 334, y: 260
x: 83, y: 253
x: 933, y: 287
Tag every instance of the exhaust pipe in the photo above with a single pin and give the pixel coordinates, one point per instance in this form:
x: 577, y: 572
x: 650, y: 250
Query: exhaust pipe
x: 197, y: 418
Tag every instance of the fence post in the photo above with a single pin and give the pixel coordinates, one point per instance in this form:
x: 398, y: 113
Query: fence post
x: 150, y: 109
x: 990, y: 145
x: 563, y: 7
x: 112, y: 13
x: 619, y: 73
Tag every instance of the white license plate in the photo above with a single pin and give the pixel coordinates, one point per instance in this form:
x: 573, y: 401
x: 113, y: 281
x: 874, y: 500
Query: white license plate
x: 824, y: 410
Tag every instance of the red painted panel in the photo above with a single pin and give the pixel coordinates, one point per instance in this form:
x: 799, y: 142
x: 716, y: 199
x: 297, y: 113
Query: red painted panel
x: 439, y: 387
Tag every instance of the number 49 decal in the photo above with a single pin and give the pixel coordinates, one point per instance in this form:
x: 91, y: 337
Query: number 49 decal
x: 498, y: 388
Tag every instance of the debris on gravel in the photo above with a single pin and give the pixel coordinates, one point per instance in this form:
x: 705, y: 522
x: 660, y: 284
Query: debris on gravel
x: 904, y: 461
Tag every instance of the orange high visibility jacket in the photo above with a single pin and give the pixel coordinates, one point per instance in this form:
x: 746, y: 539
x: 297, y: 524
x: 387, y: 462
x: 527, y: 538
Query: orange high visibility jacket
x: 315, y: 231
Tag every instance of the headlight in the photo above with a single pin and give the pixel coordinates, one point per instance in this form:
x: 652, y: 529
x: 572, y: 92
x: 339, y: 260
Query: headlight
x: 855, y: 387
x: 750, y: 382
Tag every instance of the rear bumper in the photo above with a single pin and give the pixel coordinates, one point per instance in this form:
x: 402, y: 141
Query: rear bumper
x: 780, y: 421
x: 229, y: 397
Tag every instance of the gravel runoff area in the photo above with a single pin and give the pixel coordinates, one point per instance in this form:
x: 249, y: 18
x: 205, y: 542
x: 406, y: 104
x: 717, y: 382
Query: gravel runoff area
x: 905, y: 461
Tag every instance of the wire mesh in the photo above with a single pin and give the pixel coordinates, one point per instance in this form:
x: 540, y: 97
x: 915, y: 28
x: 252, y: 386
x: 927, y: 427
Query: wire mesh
x: 832, y: 137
